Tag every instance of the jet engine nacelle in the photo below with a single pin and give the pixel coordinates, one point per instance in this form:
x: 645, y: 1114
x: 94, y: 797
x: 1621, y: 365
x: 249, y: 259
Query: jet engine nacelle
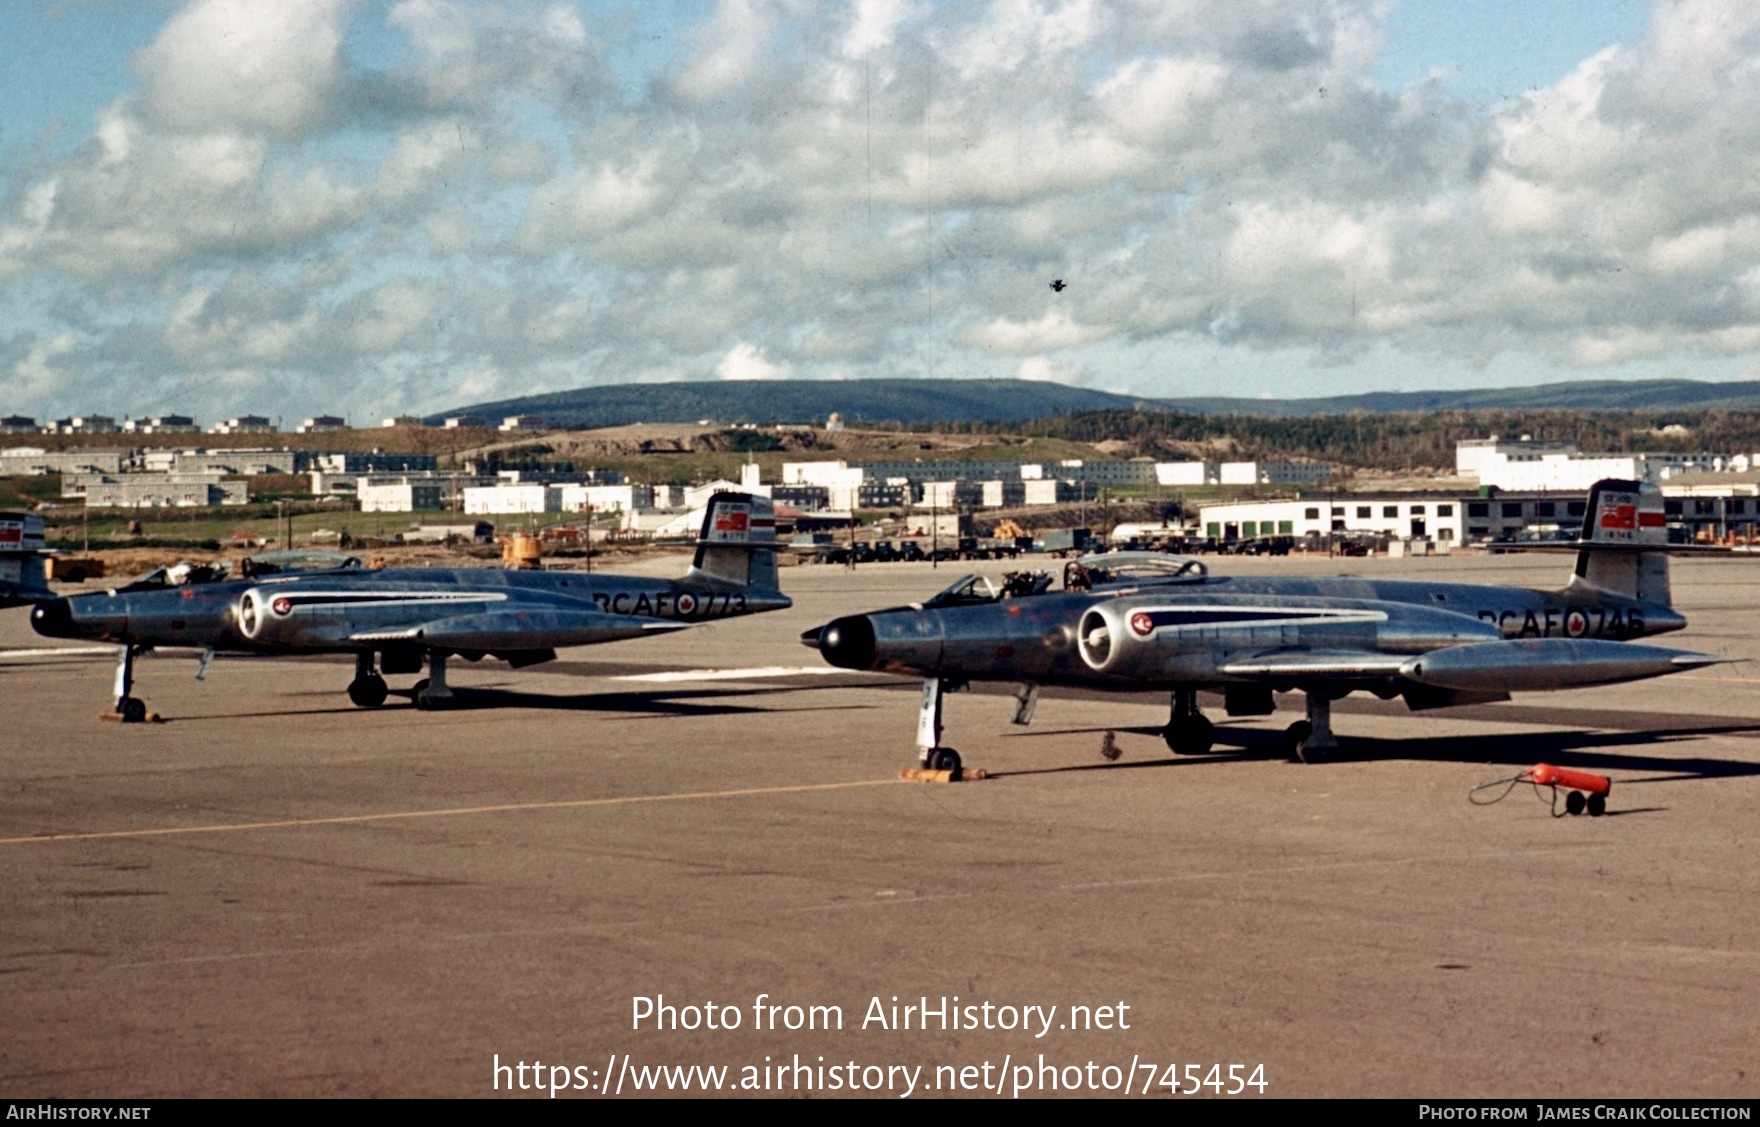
x: 1545, y: 663
x: 266, y: 616
x: 1158, y: 639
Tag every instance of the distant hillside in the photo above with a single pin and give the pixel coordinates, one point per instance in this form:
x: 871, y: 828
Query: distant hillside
x: 911, y: 402
x: 934, y: 402
x: 1581, y: 395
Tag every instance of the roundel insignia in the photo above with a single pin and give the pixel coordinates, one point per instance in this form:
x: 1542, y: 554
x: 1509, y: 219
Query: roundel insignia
x: 1576, y: 623
x: 282, y: 606
x: 687, y: 604
x: 1142, y: 624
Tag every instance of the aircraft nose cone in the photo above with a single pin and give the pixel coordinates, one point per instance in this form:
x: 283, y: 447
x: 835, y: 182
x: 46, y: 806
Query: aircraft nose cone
x: 53, y: 619
x: 848, y: 642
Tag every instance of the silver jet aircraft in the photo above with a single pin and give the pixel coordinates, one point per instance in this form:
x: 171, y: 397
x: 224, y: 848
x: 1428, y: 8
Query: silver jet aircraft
x: 1147, y: 622
x: 394, y: 620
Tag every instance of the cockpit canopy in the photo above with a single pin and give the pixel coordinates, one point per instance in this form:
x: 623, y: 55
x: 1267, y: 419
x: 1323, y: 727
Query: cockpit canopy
x: 1107, y: 571
x: 263, y: 563
x: 967, y: 590
x: 293, y: 559
x: 1132, y: 569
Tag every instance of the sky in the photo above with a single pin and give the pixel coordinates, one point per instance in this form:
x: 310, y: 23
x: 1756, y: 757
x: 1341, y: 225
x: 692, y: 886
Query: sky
x: 380, y: 207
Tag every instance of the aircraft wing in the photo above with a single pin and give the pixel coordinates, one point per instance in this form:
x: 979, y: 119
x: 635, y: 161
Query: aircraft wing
x: 521, y: 630
x: 1315, y: 665
x: 1506, y: 666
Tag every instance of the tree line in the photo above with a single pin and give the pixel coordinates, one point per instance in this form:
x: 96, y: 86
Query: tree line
x: 1411, y: 441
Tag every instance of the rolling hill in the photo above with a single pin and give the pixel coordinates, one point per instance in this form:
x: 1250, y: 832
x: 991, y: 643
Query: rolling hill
x: 930, y: 402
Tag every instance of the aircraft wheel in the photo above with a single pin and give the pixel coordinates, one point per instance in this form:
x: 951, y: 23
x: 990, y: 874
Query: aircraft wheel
x: 945, y: 759
x: 1574, y: 802
x: 134, y: 710
x: 418, y: 694
x: 1192, y: 735
x: 368, y: 692
x: 1597, y: 805
x: 1295, y: 739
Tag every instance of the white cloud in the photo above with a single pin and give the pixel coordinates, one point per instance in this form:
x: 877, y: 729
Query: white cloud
x: 249, y: 65
x: 868, y: 189
x: 747, y: 362
x: 1055, y: 329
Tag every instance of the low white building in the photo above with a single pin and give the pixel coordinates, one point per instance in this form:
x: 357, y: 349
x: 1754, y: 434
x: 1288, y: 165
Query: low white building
x: 406, y: 496
x: 244, y: 424
x: 1394, y: 515
x: 697, y: 496
x: 1273, y: 473
x: 1185, y: 473
x: 161, y: 424
x: 83, y: 424
x: 606, y: 498
x: 24, y: 461
x: 155, y: 491
x: 1052, y: 491
x: 483, y: 500
x: 1558, y: 467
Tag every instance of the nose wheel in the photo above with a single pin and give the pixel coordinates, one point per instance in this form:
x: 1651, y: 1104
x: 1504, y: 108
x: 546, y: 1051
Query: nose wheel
x: 130, y: 709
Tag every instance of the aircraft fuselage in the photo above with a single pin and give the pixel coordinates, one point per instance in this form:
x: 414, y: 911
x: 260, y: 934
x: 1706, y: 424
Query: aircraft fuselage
x: 320, y: 612
x: 1200, y: 628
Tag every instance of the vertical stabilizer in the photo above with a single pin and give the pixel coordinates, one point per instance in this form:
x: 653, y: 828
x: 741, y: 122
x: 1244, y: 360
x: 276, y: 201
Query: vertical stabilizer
x: 23, y: 576
x: 1622, y: 519
x: 738, y: 544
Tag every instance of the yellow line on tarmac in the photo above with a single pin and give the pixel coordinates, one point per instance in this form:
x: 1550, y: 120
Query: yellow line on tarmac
x: 512, y: 807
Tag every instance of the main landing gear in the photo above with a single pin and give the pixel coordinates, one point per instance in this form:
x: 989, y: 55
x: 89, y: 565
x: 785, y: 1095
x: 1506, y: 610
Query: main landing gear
x: 431, y: 693
x: 1188, y: 732
x: 1308, y: 741
x: 368, y: 688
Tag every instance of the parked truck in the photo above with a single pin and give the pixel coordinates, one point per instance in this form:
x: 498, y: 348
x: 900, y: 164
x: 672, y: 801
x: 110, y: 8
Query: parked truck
x: 1066, y: 542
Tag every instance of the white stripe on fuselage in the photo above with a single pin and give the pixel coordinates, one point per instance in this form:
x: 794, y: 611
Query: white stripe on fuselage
x: 329, y: 599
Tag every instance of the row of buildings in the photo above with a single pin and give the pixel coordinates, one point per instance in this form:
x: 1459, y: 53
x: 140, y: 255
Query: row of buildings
x: 241, y: 424
x: 997, y: 484
x: 1503, y: 489
x: 1541, y: 466
x: 1704, y: 507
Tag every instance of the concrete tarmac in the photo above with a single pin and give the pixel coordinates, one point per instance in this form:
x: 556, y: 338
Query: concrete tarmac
x: 273, y: 893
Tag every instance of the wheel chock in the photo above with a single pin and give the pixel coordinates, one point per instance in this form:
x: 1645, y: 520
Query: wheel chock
x: 924, y: 775
x: 118, y: 718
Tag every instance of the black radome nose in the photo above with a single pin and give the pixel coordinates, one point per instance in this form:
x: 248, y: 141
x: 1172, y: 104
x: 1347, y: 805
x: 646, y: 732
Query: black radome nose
x: 53, y: 619
x: 848, y: 642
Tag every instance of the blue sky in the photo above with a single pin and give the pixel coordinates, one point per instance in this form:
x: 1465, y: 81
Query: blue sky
x: 371, y: 207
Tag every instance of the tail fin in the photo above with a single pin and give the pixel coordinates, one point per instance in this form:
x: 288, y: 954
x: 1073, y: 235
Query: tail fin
x: 1624, y: 546
x: 23, y: 578
x: 738, y: 544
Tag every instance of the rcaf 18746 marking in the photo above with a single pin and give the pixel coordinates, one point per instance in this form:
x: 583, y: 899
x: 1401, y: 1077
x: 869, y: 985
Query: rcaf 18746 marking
x: 1568, y: 622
